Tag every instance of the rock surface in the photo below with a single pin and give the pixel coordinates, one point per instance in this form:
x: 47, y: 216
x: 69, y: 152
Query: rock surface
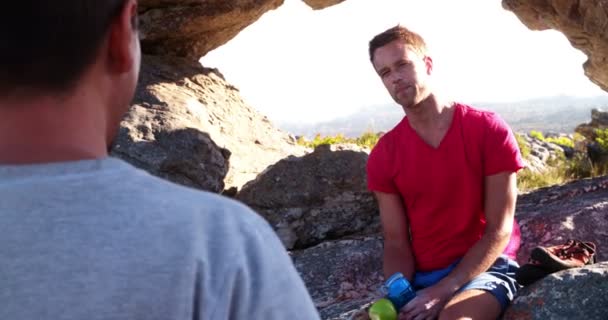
x: 599, y: 120
x: 550, y: 216
x: 342, y: 276
x: 175, y: 94
x: 317, y: 197
x: 191, y: 28
x: 578, y: 294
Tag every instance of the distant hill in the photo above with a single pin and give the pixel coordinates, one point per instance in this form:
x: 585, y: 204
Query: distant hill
x: 559, y: 114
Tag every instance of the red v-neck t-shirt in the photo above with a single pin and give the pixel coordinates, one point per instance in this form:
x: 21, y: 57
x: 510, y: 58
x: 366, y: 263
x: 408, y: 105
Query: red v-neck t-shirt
x: 443, y: 188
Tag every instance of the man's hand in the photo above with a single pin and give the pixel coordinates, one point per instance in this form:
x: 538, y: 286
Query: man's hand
x: 427, y: 304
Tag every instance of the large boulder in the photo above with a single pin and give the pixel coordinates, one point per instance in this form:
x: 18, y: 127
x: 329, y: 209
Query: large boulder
x: 178, y: 94
x: 166, y: 145
x: 191, y: 28
x: 320, y: 196
x: 576, y: 294
x: 599, y: 120
x: 551, y: 216
x: 342, y: 276
x: 582, y: 22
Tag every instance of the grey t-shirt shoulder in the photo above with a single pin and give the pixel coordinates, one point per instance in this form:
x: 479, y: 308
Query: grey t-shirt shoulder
x: 101, y: 239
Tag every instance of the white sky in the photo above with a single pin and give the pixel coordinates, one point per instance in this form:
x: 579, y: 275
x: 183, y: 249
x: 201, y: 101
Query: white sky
x: 300, y: 65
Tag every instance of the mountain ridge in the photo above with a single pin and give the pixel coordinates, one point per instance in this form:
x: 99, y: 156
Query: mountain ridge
x: 555, y: 114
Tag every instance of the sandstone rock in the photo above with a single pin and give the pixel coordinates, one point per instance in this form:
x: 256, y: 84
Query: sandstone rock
x: 342, y: 276
x: 599, y: 120
x: 584, y: 23
x: 177, y: 94
x: 320, y: 196
x: 550, y: 216
x: 191, y: 28
x: 163, y: 144
x: 577, y: 294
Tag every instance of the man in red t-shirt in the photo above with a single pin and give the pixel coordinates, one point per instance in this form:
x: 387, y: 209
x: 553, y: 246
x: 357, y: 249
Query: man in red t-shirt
x: 445, y: 182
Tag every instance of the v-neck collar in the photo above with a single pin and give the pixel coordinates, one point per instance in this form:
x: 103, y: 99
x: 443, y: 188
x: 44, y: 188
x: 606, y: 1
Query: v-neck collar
x: 455, y: 115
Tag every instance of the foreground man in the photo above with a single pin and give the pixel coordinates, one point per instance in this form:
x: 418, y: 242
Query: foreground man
x: 85, y: 236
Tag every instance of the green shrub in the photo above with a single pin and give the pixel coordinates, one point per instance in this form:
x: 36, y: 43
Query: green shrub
x: 601, y: 137
x: 523, y: 145
x: 367, y: 139
x: 561, y: 141
x: 537, y: 134
x: 560, y: 171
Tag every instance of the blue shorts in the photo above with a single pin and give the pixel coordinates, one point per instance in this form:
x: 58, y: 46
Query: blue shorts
x: 499, y: 280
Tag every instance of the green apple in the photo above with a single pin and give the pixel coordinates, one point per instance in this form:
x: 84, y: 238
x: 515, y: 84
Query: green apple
x: 382, y: 309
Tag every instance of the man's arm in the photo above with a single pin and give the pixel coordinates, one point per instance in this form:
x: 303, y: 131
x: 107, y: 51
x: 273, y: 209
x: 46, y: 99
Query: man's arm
x: 500, y: 198
x: 398, y: 256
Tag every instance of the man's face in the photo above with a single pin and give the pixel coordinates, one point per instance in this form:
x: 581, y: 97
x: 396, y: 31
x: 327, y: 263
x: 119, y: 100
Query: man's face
x: 404, y: 72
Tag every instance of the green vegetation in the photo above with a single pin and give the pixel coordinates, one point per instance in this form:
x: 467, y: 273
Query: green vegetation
x: 561, y: 141
x: 602, y: 138
x: 523, y: 145
x: 527, y: 180
x: 368, y: 140
x: 562, y: 169
x: 537, y: 134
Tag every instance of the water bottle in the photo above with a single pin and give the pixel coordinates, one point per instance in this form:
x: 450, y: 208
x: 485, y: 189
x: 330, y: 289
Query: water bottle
x: 398, y: 292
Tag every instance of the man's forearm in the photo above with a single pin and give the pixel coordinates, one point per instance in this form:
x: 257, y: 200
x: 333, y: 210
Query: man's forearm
x: 499, y: 208
x: 397, y: 259
x: 478, y: 259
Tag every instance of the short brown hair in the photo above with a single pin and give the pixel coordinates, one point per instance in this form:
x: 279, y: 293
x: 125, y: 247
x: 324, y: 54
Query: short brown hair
x: 47, y: 45
x: 398, y: 32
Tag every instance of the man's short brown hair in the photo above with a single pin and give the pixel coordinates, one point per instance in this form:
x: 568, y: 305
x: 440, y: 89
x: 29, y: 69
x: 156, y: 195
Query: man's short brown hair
x: 47, y: 45
x: 398, y: 32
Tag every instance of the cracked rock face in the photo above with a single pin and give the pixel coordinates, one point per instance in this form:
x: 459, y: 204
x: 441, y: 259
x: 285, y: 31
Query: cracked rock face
x: 187, y: 124
x: 314, y: 198
x: 189, y: 28
x: 583, y: 22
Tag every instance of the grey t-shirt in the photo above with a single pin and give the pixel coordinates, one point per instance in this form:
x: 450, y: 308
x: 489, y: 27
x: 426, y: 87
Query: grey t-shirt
x: 101, y: 239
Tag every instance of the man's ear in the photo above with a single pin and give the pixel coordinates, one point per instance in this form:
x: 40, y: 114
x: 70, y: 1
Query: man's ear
x: 122, y: 36
x: 428, y: 64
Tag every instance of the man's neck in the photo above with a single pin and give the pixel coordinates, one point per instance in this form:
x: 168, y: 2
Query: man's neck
x: 46, y: 130
x: 429, y: 113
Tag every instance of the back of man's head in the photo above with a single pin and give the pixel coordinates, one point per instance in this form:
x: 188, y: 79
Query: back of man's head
x: 412, y: 39
x: 47, y: 45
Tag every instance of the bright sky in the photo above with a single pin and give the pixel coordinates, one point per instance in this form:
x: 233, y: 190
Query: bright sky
x: 300, y: 65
